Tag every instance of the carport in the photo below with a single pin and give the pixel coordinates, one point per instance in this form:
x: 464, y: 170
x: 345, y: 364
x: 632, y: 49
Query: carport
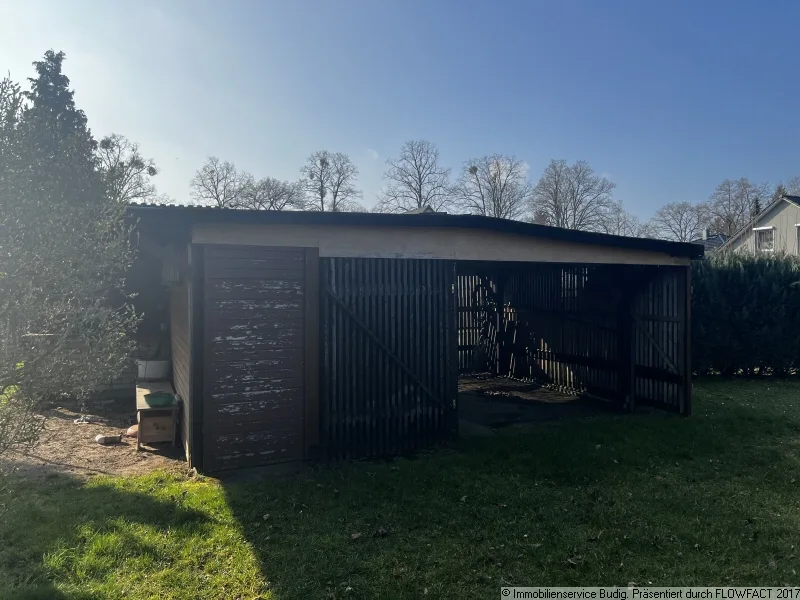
x: 301, y: 335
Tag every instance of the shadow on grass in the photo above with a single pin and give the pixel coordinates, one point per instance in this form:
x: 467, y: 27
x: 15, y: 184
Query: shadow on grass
x: 707, y: 500
x: 52, y: 529
x: 608, y: 500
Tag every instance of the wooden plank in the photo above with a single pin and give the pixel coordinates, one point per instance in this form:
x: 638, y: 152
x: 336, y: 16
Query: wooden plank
x: 238, y: 267
x: 286, y: 301
x: 242, y: 385
x: 453, y: 355
x: 263, y: 409
x: 626, y: 350
x: 151, y: 387
x: 224, y: 251
x: 198, y: 359
x: 273, y: 360
x: 312, y: 352
x: 253, y: 289
x: 256, y: 314
x: 231, y: 348
x: 263, y: 270
x: 686, y: 317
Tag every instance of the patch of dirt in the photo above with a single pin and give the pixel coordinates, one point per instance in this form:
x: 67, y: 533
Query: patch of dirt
x: 69, y: 448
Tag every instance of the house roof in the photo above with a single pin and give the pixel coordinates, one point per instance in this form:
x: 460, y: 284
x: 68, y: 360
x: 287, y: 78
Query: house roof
x: 712, y: 242
x: 767, y: 209
x: 167, y: 215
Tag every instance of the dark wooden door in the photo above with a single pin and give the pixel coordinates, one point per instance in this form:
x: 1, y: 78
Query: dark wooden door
x: 253, y: 400
x: 389, y: 365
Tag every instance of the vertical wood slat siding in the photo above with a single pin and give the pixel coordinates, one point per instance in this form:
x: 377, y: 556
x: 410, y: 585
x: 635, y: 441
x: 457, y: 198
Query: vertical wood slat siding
x: 385, y: 353
x: 255, y: 337
x: 181, y: 353
x: 663, y: 374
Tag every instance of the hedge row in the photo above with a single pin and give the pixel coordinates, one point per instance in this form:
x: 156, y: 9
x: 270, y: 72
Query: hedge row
x: 746, y: 314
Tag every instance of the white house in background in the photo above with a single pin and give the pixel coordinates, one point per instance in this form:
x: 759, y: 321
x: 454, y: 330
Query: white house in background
x: 774, y: 229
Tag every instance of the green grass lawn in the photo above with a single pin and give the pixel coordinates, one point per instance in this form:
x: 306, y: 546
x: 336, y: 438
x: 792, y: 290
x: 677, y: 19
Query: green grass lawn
x: 650, y: 498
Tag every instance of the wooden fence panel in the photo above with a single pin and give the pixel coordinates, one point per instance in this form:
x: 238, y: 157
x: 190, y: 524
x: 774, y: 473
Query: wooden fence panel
x: 661, y: 343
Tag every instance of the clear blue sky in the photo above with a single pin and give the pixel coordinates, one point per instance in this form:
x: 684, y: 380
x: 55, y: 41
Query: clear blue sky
x: 666, y: 98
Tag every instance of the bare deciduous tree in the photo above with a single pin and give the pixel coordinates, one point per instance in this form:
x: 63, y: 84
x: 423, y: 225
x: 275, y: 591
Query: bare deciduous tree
x: 416, y: 180
x: 681, y: 221
x: 572, y: 197
x: 734, y: 203
x: 128, y: 175
x: 494, y: 186
x: 329, y: 182
x: 270, y: 194
x: 793, y: 186
x: 218, y: 184
x: 619, y: 221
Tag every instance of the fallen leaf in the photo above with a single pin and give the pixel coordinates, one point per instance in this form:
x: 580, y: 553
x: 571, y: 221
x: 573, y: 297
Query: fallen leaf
x: 266, y: 517
x: 355, y: 536
x: 463, y: 498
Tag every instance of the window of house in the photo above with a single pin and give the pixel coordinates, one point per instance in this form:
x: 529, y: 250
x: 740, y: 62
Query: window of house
x: 765, y: 239
x: 797, y: 239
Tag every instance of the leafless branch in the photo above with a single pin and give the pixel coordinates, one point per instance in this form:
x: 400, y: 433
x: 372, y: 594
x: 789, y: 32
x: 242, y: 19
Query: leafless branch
x: 329, y: 183
x: 218, y: 184
x: 618, y: 221
x: 572, y: 197
x: 271, y: 194
x: 128, y: 175
x: 681, y: 221
x: 416, y: 180
x: 735, y: 202
x: 494, y: 186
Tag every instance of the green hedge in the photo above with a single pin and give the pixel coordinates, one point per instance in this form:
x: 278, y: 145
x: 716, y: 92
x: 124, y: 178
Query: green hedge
x: 746, y: 314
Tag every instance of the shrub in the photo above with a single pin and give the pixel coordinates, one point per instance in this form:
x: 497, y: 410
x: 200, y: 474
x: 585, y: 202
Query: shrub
x: 746, y: 314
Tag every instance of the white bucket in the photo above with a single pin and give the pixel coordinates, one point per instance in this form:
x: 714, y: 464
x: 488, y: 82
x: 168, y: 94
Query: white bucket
x: 153, y: 369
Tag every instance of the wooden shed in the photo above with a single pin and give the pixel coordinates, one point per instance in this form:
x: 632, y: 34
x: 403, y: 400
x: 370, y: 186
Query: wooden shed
x: 300, y: 335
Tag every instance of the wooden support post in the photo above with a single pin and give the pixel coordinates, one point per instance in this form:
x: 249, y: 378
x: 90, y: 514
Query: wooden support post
x: 626, y: 383
x: 686, y: 302
x: 453, y: 351
x: 311, y: 362
x: 197, y: 352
